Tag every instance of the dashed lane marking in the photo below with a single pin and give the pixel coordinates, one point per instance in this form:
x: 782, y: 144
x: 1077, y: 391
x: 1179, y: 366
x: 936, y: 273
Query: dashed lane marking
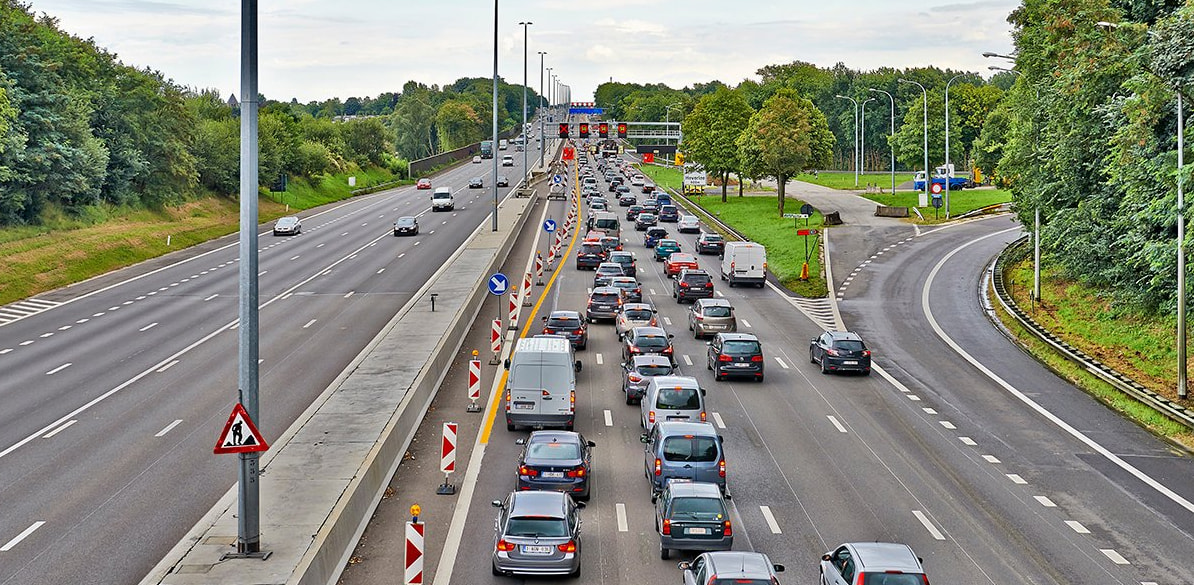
x: 309, y: 323
x: 721, y: 424
x: 928, y: 525
x: 746, y: 323
x: 148, y: 327
x: 991, y: 459
x: 599, y: 359
x: 687, y: 360
x: 836, y: 423
x: 609, y: 418
x: 948, y: 425
x: 770, y: 518
x: 168, y: 428
x: 1109, y: 552
x: 1077, y: 527
x: 781, y: 363
x: 58, y: 369
x: 211, y: 297
x: 1016, y: 479
x: 620, y: 512
x: 1044, y: 501
x: 967, y: 441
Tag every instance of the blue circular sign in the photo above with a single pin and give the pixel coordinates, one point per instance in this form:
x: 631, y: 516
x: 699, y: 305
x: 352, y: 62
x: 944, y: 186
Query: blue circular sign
x: 557, y: 179
x: 498, y: 284
x: 549, y: 226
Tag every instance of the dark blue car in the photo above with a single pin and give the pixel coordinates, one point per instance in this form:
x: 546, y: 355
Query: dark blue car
x: 654, y: 234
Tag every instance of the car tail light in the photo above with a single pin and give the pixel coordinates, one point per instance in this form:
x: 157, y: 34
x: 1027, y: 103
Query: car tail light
x: 546, y: 331
x: 764, y: 266
x: 708, y: 285
x: 658, y: 466
x: 567, y: 547
x: 683, y: 285
x: 699, y: 318
x: 507, y: 401
x: 721, y: 468
x: 571, y: 399
x: 634, y: 349
x: 727, y: 530
x: 757, y: 358
x: 667, y: 349
x: 866, y: 353
x: 579, y: 331
x: 832, y: 351
x: 578, y: 472
x: 635, y: 378
x: 724, y: 358
x: 524, y: 470
x: 651, y: 416
x: 504, y: 546
x: 667, y: 527
x: 731, y: 266
x: 702, y: 416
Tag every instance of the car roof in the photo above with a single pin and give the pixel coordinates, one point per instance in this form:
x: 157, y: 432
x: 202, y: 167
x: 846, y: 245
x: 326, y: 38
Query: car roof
x: 650, y: 360
x: 686, y: 488
x: 647, y: 330
x: 637, y: 306
x: 621, y: 254
x: 538, y: 503
x: 739, y: 563
x: 554, y: 437
x: 672, y: 381
x: 608, y: 290
x: 678, y: 427
x: 623, y: 279
x: 289, y: 218
x: 684, y: 256
x: 610, y: 265
x: 564, y: 315
x: 692, y: 272
x: 714, y: 303
x: 408, y: 219
x: 885, y: 556
x: 738, y: 336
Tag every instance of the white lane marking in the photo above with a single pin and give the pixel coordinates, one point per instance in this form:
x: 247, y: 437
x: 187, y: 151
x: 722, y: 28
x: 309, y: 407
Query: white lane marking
x: 720, y: 294
x: 353, y: 257
x: 295, y: 257
x: 913, y: 398
x: 260, y: 360
x: 1032, y: 404
x: 431, y: 232
x: 167, y: 366
x: 840, y: 428
x: 343, y: 234
x: 350, y: 293
x: 609, y: 418
x: 309, y: 323
x: 286, y: 296
x: 99, y: 315
x: 1044, y: 501
x: 721, y: 424
x: 64, y: 327
x: 169, y: 428
x: 381, y: 271
x: 599, y: 360
x: 417, y: 243
x: 262, y: 273
x: 929, y: 410
x: 211, y: 297
x: 327, y: 273
x: 781, y: 363
x: 687, y: 360
x: 45, y: 335
x: 1077, y: 526
x: 967, y: 441
x: 667, y: 321
x: 1016, y: 479
x: 991, y: 458
x: 1110, y: 552
x: 770, y: 518
x: 82, y: 321
x: 320, y: 246
x: 620, y: 512
x: 5, y: 350
x: 948, y: 425
x: 745, y: 323
x: 928, y: 525
x: 148, y: 327
x: 402, y: 254
x: 652, y: 291
x: 24, y: 343
x: 51, y: 434
x: 58, y: 369
x: 15, y: 541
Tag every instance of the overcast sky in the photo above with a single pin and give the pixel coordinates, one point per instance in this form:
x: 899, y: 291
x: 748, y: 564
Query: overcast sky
x: 317, y: 49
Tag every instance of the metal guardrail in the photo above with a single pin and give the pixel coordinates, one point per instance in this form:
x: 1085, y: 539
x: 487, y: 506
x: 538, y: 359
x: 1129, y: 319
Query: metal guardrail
x: 1161, y: 404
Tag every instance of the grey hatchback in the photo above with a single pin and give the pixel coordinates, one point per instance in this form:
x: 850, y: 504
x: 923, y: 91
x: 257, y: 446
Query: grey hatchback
x: 886, y: 563
x: 749, y: 568
x: 637, y: 373
x: 692, y: 516
x: 840, y: 351
x: 537, y: 533
x: 604, y: 303
x: 711, y: 316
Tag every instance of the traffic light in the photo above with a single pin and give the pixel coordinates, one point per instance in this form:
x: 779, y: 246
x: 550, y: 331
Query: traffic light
x: 603, y: 130
x: 563, y: 129
x: 621, y: 129
x: 584, y: 130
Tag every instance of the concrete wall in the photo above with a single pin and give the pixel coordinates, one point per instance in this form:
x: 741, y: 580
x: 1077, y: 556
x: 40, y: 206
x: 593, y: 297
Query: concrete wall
x: 423, y: 165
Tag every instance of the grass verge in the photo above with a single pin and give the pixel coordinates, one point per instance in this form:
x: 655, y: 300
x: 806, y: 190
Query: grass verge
x: 69, y: 249
x: 845, y: 180
x: 959, y: 202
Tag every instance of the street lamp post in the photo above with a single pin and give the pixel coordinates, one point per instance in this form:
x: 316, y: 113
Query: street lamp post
x: 540, y: 111
x: 862, y: 138
x: 949, y: 170
x: 924, y: 197
x: 526, y: 170
x: 494, y: 224
x: 667, y: 118
x: 855, y: 102
x: 889, y: 144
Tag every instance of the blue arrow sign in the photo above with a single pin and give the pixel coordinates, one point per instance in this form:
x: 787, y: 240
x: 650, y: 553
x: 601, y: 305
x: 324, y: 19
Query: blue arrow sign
x: 498, y: 284
x: 558, y: 179
x: 549, y: 226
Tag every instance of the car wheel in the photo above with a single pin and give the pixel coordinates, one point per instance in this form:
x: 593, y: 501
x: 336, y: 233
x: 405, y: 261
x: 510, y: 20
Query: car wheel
x: 866, y: 372
x: 629, y: 400
x: 575, y: 574
x: 663, y: 552
x: 582, y: 346
x: 510, y: 427
x: 761, y: 284
x: 496, y: 572
x: 760, y: 379
x: 824, y: 370
x: 811, y: 359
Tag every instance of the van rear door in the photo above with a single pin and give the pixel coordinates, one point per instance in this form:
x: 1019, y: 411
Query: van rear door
x: 526, y: 389
x: 558, y: 384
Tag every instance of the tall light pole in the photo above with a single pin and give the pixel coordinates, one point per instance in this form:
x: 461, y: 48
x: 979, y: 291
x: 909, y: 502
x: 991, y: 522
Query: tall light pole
x: 855, y: 102
x: 493, y: 179
x: 526, y: 170
x: 862, y: 137
x: 924, y: 197
x: 549, y: 86
x: 541, y: 110
x: 667, y: 119
x: 949, y: 170
x: 889, y: 144
x: 1036, y: 213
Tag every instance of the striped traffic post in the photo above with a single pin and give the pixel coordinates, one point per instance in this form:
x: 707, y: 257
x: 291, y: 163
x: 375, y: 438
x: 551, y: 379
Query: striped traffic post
x: 526, y: 290
x: 495, y: 341
x: 447, y: 458
x: 413, y: 574
x: 474, y: 383
x: 539, y: 268
x: 513, y: 308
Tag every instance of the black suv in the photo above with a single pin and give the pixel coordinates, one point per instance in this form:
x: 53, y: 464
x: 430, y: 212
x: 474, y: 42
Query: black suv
x: 708, y: 243
x: 567, y: 324
x: 591, y: 255
x: 735, y: 354
x: 692, y: 284
x: 626, y: 259
x: 840, y: 351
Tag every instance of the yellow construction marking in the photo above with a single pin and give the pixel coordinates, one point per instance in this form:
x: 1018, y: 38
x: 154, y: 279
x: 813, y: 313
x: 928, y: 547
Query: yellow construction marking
x: 526, y: 327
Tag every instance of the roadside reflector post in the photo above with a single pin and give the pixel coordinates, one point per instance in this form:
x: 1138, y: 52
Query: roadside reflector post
x: 413, y: 560
x: 513, y: 307
x: 526, y: 290
x: 474, y: 383
x: 495, y: 342
x: 447, y: 459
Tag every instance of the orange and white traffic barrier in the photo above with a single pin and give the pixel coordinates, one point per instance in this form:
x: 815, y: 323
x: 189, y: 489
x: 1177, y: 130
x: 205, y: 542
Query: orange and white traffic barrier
x: 539, y: 269
x: 513, y: 308
x: 526, y: 290
x: 495, y: 341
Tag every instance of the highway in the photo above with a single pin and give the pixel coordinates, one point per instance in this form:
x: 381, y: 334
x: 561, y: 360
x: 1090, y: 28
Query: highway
x: 992, y: 470
x: 116, y: 392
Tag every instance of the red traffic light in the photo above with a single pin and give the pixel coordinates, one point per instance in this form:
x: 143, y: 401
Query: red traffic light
x: 563, y: 130
x: 621, y: 129
x: 584, y: 130
x: 603, y: 130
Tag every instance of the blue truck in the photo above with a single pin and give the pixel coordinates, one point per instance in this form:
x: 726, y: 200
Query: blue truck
x: 940, y: 176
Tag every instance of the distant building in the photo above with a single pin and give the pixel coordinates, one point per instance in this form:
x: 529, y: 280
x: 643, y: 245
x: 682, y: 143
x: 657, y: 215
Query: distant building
x: 232, y: 103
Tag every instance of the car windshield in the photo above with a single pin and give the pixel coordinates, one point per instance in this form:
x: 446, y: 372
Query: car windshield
x: 651, y: 341
x: 717, y: 311
x: 698, y: 508
x: 536, y: 526
x: 638, y: 314
x: 892, y: 579
x: 564, y: 323
x: 553, y: 451
x: 654, y: 370
x: 849, y: 345
x: 286, y: 221
x: 678, y: 398
x: 626, y: 284
x: 406, y: 221
x: 741, y: 347
x: 690, y: 448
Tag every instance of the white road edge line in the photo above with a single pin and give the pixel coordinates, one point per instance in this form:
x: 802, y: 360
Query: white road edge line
x: 620, y: 512
x: 928, y: 525
x: 169, y: 428
x: 51, y: 434
x: 770, y: 518
x: 22, y: 536
x: 840, y: 428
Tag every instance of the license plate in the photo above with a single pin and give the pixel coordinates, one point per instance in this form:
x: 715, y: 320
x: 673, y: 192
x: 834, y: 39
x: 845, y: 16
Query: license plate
x: 535, y: 549
x: 850, y: 363
x: 553, y: 474
x: 697, y: 531
x: 743, y: 365
x: 524, y: 406
x: 677, y: 418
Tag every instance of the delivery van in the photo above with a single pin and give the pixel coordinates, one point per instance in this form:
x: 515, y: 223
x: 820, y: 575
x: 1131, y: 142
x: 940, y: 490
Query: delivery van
x: 441, y: 199
x: 744, y: 263
x: 541, y: 387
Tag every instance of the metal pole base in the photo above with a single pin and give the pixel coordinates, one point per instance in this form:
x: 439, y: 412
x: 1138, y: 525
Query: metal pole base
x: 261, y: 554
x: 473, y: 407
x: 446, y: 489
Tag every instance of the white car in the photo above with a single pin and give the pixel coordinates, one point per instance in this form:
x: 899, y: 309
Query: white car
x: 507, y: 161
x: 477, y: 160
x: 688, y: 223
x: 289, y: 225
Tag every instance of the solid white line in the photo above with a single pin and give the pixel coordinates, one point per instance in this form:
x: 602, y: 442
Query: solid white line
x: 148, y: 327
x: 168, y: 428
x: 721, y: 424
x: 840, y: 428
x: 599, y: 360
x: 211, y: 297
x: 1110, y: 552
x: 687, y: 360
x: 58, y: 369
x: 609, y: 418
x: 770, y: 518
x: 21, y: 536
x: 309, y: 323
x: 991, y: 458
x: 967, y: 441
x: 928, y: 525
x: 350, y: 293
x: 745, y: 323
x: 1016, y: 479
x: 1032, y: 404
x: 68, y: 424
x: 781, y: 363
x: 1045, y: 501
x: 620, y: 512
x: 948, y: 425
x: 167, y: 366
x: 1077, y: 526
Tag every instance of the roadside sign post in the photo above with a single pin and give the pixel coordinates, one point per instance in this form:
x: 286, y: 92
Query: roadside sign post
x: 936, y: 191
x: 474, y: 383
x: 498, y: 285
x: 806, y: 233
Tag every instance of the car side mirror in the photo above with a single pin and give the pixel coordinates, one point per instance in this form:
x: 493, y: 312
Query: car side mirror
x: 683, y: 565
x: 496, y: 503
x: 703, y: 392
x: 576, y: 366
x: 778, y: 568
x: 643, y: 438
x: 580, y: 505
x: 592, y: 444
x: 826, y: 557
x: 654, y: 498
x: 708, y: 343
x: 507, y: 363
x: 721, y: 439
x: 669, y: 336
x: 521, y: 441
x: 543, y: 318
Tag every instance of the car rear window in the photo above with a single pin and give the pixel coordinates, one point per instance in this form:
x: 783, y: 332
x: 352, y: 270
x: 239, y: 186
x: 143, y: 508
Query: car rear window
x: 626, y: 284
x: 678, y: 398
x: 712, y: 238
x: 697, y: 279
x: 638, y: 315
x: 615, y: 270
x: 667, y: 209
x: 717, y: 311
x: 651, y: 342
x: 654, y: 370
x: 741, y: 347
x: 563, y: 323
x: 690, y: 448
x: 553, y: 451
x: 606, y: 224
x: 698, y: 509
x: 892, y: 579
x: 536, y: 526
x: 849, y: 345
x: 744, y: 582
x: 604, y: 297
x: 591, y: 248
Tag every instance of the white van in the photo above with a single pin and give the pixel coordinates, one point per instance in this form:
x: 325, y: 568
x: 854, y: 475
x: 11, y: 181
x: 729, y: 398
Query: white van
x: 503, y: 144
x: 744, y: 263
x: 608, y: 223
x: 541, y: 387
x: 441, y: 198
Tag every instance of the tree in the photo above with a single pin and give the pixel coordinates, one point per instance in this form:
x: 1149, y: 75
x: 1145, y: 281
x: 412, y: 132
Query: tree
x: 458, y: 124
x: 365, y: 140
x: 786, y: 136
x: 711, y: 132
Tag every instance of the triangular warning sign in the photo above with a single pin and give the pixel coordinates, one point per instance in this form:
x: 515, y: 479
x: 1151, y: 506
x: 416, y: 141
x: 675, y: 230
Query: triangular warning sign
x: 240, y: 434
